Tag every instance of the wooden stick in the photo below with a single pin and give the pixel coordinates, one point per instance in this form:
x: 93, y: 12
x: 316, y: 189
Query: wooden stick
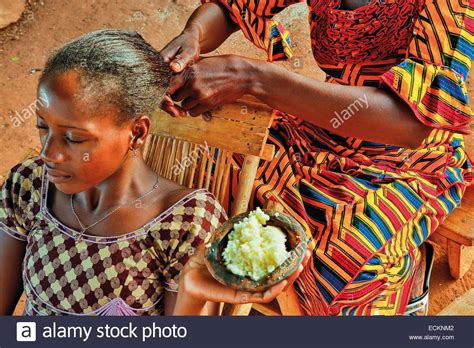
x: 217, y: 170
x: 219, y: 174
x: 225, y: 179
x: 202, y: 168
x: 247, y: 177
x: 184, y: 166
x: 210, y: 164
x: 192, y: 170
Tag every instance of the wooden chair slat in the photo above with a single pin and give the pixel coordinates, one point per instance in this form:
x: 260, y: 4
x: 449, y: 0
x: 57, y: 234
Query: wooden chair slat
x: 192, y: 169
x: 249, y: 128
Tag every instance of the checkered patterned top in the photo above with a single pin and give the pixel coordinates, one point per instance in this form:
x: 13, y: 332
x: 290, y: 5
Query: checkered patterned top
x: 123, y: 275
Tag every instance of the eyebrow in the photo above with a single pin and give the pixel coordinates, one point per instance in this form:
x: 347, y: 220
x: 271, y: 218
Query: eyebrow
x: 63, y: 126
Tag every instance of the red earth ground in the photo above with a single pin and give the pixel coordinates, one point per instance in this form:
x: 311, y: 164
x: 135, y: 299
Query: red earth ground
x: 47, y: 24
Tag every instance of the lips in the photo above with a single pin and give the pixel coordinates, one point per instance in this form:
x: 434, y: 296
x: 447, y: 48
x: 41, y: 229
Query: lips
x: 56, y: 176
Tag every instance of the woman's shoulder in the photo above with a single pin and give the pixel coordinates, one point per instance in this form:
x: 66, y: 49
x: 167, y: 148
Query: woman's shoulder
x: 185, y: 200
x: 194, y: 212
x: 193, y: 219
x: 196, y: 201
x: 20, y: 197
x: 27, y: 174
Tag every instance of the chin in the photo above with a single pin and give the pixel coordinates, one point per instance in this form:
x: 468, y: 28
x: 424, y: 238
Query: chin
x: 71, y: 186
x: 65, y: 188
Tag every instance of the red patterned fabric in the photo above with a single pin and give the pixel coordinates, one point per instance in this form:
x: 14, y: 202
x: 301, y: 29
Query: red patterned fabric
x: 355, y: 47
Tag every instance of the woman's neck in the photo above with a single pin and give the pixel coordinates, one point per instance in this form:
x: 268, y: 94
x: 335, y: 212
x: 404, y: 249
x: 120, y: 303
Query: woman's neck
x: 133, y: 179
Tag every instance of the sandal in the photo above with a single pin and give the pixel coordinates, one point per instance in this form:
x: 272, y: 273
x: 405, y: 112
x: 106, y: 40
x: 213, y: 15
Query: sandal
x: 418, y: 306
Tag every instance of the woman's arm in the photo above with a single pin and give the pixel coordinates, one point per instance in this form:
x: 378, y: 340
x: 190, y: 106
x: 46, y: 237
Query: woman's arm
x: 187, y: 305
x: 199, y: 293
x: 206, y: 29
x: 12, y: 252
x: 183, y: 306
x: 213, y: 24
x: 364, y: 112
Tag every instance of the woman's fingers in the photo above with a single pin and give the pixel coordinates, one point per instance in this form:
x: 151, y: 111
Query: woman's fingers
x: 243, y: 297
x: 173, y: 111
x: 177, y: 86
x: 222, y: 293
x: 183, y: 60
x: 200, y: 284
x: 206, y: 287
x: 181, y: 52
x: 291, y: 279
x: 199, y: 110
x: 169, y: 52
x: 190, y: 103
x: 178, y: 64
x: 182, y: 93
x: 170, y: 107
x: 200, y: 254
x: 270, y: 294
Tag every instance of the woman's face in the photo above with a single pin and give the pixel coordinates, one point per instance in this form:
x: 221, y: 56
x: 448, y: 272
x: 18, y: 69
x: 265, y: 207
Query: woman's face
x: 82, y: 145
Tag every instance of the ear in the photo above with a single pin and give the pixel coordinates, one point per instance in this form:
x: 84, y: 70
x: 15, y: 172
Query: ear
x: 140, y: 130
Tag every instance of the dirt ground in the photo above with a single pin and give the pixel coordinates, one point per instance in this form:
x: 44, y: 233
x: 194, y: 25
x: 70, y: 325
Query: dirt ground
x: 24, y: 47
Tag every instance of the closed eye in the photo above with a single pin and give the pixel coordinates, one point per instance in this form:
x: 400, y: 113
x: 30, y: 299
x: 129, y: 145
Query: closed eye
x: 69, y: 140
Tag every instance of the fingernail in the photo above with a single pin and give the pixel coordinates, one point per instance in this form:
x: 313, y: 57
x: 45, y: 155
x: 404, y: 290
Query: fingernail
x: 176, y: 66
x: 173, y: 112
x: 167, y: 100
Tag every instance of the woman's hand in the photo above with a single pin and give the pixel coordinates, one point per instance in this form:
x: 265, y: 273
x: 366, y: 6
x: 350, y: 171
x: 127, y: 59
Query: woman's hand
x: 206, y: 29
x: 180, y: 53
x: 211, y: 82
x: 198, y: 286
x: 183, y: 50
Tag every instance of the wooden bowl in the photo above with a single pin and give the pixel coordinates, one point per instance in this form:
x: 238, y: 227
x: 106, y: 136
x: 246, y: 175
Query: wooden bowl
x: 296, y: 244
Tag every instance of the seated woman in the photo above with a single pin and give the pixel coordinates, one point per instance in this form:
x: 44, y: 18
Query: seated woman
x: 372, y: 160
x: 87, y: 227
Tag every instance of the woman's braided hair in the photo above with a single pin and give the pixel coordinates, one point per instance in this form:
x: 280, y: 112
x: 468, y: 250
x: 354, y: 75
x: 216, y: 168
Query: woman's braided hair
x: 117, y: 67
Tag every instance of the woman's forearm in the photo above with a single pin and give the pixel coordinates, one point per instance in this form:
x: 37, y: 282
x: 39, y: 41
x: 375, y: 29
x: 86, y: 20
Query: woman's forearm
x: 368, y: 113
x: 187, y: 305
x: 212, y: 22
x: 12, y: 252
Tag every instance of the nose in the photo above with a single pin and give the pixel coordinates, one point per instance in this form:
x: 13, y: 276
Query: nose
x: 51, y: 151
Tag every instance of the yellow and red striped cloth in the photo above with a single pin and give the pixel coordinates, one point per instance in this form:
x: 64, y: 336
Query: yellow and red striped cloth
x: 368, y: 206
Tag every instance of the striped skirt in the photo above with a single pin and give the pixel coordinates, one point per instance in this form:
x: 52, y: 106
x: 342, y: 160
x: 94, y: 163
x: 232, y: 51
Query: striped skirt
x: 367, y: 208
